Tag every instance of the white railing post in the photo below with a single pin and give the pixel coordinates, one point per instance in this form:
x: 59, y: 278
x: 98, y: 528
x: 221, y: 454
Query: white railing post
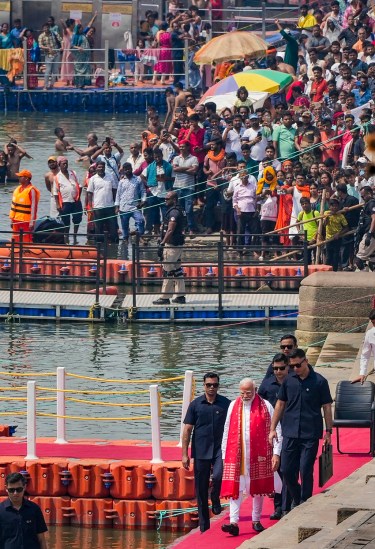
x: 186, y: 399
x: 31, y: 420
x: 155, y: 424
x: 186, y: 60
x: 25, y: 64
x: 106, y: 64
x: 60, y: 406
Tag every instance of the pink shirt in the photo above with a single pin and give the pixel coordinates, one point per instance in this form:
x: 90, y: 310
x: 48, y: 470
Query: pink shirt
x: 195, y: 140
x: 244, y: 196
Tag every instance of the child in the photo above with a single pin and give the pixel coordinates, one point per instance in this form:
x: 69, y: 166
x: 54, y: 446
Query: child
x: 311, y: 227
x: 336, y: 226
x: 268, y: 216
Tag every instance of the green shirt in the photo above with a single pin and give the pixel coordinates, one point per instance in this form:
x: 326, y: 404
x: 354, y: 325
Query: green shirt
x: 291, y: 50
x: 312, y: 227
x: 284, y: 137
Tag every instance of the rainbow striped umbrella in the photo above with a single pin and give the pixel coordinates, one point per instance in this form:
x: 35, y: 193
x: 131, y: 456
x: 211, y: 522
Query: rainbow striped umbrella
x: 260, y: 83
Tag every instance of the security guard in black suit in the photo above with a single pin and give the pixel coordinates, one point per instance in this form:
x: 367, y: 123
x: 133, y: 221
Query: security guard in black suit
x: 301, y: 397
x: 205, y: 418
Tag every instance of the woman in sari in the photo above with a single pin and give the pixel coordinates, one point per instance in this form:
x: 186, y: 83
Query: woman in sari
x: 33, y: 57
x: 6, y: 40
x: 165, y: 65
x: 82, y: 53
x: 67, y: 62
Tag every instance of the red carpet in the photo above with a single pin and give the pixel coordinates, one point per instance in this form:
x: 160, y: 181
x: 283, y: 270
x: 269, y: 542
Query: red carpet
x: 90, y: 449
x: 344, y: 465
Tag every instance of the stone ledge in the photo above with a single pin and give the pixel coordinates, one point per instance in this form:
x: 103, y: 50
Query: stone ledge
x: 340, y: 280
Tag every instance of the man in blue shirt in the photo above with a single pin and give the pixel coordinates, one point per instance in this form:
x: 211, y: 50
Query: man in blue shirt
x: 205, y: 419
x: 17, y: 33
x: 130, y: 197
x: 362, y: 94
x: 22, y: 525
x: 300, y: 399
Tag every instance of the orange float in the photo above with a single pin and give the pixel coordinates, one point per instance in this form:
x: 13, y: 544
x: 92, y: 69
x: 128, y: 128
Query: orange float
x: 182, y: 521
x: 134, y: 514
x: 88, y: 479
x: 131, y: 480
x: 91, y: 512
x: 54, y: 509
x: 45, y: 477
x: 173, y: 482
x: 9, y: 465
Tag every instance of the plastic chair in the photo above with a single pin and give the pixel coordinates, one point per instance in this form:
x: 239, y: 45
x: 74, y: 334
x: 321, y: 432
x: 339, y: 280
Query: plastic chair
x: 355, y: 408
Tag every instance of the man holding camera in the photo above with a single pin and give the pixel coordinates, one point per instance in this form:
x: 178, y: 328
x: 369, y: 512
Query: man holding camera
x: 170, y: 251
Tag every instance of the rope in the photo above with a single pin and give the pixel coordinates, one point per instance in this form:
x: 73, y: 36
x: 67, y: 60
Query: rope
x: 172, y: 403
x: 105, y: 403
x: 13, y: 413
x: 83, y: 418
x: 24, y: 398
x: 126, y: 380
x: 84, y: 392
x: 26, y: 375
x: 161, y: 514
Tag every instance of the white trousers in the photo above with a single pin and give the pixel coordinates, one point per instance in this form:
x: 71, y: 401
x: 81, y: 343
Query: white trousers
x: 235, y: 504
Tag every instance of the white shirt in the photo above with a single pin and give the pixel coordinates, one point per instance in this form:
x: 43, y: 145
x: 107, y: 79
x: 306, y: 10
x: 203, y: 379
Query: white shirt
x: 246, y: 433
x: 67, y: 187
x: 233, y: 142
x: 183, y: 180
x: 137, y: 162
x: 367, y: 349
x: 244, y: 196
x: 101, y: 189
x: 258, y: 151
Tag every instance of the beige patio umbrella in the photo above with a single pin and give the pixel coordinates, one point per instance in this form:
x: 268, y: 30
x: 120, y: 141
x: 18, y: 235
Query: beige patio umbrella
x: 231, y: 46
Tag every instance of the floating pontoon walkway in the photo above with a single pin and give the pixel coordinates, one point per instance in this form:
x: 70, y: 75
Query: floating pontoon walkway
x: 205, y: 308
x: 53, y: 305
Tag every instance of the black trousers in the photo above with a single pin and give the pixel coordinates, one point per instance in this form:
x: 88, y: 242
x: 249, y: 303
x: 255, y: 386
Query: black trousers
x: 105, y: 219
x: 333, y: 253
x: 283, y: 501
x: 247, y: 220
x: 202, y: 473
x: 297, y: 459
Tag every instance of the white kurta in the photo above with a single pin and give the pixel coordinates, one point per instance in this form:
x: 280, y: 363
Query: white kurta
x: 235, y: 504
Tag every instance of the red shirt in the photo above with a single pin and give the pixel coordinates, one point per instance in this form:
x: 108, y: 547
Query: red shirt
x: 319, y: 88
x: 196, y: 140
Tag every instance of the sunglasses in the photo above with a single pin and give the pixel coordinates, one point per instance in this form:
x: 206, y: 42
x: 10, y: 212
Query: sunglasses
x: 286, y: 346
x: 212, y: 385
x: 298, y: 365
x: 281, y: 368
x: 15, y: 490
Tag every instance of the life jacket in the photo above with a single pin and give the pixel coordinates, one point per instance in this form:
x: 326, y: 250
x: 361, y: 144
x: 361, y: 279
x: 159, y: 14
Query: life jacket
x: 78, y: 188
x: 21, y: 203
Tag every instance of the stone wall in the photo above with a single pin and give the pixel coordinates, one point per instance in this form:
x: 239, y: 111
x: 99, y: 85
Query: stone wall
x: 333, y: 302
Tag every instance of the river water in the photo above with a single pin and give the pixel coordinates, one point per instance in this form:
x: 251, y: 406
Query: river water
x: 116, y: 351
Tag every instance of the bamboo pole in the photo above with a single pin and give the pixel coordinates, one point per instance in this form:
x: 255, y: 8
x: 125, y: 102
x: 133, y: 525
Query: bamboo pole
x: 311, y: 246
x: 315, y: 219
x: 320, y: 227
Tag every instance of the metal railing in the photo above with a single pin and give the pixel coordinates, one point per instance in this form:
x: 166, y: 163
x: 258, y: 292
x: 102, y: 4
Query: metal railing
x: 218, y: 259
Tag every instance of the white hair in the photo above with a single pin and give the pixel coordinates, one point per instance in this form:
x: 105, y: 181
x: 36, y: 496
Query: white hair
x: 247, y: 380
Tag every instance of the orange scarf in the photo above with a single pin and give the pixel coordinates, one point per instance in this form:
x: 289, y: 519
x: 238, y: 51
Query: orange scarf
x: 304, y: 190
x: 261, y: 475
x: 216, y: 157
x: 263, y: 181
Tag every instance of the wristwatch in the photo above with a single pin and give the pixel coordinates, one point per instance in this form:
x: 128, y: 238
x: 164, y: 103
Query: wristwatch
x: 329, y: 431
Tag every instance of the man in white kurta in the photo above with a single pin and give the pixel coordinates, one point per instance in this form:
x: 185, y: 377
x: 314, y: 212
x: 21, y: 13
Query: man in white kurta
x: 247, y: 393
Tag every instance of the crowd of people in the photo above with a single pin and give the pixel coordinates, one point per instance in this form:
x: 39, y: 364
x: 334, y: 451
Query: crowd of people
x: 300, y: 160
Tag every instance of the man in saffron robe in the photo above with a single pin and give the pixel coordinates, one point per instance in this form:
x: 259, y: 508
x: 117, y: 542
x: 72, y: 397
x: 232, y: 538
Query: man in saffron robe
x: 249, y: 461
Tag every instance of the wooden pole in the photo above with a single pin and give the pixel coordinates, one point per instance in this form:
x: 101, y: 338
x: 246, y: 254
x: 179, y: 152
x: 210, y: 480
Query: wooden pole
x: 311, y: 247
x: 315, y: 219
x: 320, y: 228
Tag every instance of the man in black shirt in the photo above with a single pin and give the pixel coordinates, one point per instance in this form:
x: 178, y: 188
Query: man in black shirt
x: 288, y: 343
x: 170, y: 251
x: 300, y: 399
x: 352, y: 217
x: 205, y: 418
x: 22, y: 524
x: 365, y: 237
x: 269, y: 390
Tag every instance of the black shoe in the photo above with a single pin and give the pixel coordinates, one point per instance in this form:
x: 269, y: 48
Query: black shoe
x: 216, y: 506
x: 203, y: 528
x: 276, y: 515
x: 161, y: 301
x: 179, y: 299
x: 231, y: 529
x: 258, y: 527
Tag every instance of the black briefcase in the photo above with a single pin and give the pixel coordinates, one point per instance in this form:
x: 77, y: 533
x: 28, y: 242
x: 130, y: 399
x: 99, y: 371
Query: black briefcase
x: 325, y: 465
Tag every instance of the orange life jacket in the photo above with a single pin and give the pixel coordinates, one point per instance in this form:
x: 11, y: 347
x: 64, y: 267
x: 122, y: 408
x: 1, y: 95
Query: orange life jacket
x: 21, y: 203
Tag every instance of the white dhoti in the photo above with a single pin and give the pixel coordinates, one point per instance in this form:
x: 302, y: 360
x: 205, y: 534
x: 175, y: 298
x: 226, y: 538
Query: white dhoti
x: 235, y: 504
